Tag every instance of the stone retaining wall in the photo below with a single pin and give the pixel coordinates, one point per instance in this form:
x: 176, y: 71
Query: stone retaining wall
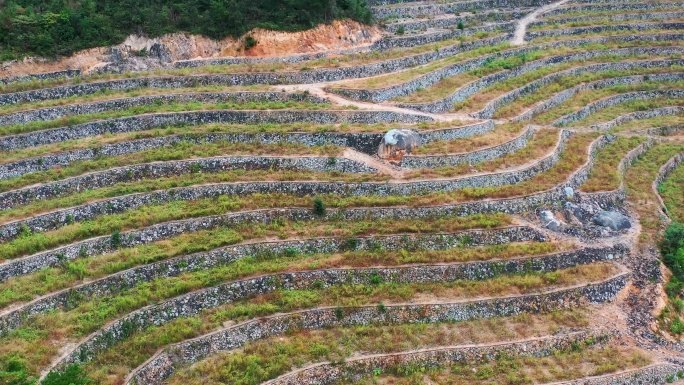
x: 477, y: 156
x: 614, y: 7
x: 94, y: 180
x: 365, y: 142
x: 192, y: 304
x: 659, y: 374
x: 431, y: 78
x: 664, y: 131
x: 355, y: 369
x: 447, y: 103
x: 452, y: 22
x: 554, y: 196
x: 531, y: 35
x: 167, y: 169
x: 492, y: 107
x: 663, y: 173
x: 115, y: 283
x: 599, y: 19
x: 300, y: 77
x: 436, y: 9
x: 564, y: 95
x: 638, y: 115
x: 432, y: 37
x: 621, y: 98
x: 162, y: 120
x: 43, y: 76
x: 164, y: 363
x: 52, y: 113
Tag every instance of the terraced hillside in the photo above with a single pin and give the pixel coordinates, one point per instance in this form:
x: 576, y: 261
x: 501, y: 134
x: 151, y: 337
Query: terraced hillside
x: 477, y: 199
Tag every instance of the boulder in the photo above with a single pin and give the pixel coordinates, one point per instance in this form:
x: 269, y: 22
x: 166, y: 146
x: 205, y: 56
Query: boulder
x: 569, y: 193
x: 549, y: 221
x: 612, y: 219
x: 398, y: 142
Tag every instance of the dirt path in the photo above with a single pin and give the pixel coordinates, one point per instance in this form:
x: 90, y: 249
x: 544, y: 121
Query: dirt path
x: 521, y: 26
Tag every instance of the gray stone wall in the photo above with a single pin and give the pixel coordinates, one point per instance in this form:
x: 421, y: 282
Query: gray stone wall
x: 638, y: 115
x: 364, y: 142
x: 531, y: 35
x: 52, y: 113
x: 192, y: 304
x: 599, y: 19
x: 432, y: 37
x: 165, y: 362
x: 43, y: 76
x: 564, y: 95
x: 431, y: 78
x: 162, y: 120
x: 452, y: 21
x: 477, y: 156
x: 154, y: 170
x: 88, y: 211
x: 610, y: 101
x: 659, y: 374
x: 355, y: 369
x: 435, y: 9
x: 492, y: 107
x: 664, y: 131
x: 111, y: 177
x: 663, y: 173
x: 616, y: 7
x: 115, y: 283
x: 462, y: 93
x: 300, y: 77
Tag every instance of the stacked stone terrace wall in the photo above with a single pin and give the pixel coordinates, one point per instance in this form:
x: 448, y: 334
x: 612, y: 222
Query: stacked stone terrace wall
x: 482, y: 155
x: 115, y: 283
x: 664, y: 131
x: 365, y: 142
x: 194, y: 303
x: 432, y: 37
x: 615, y: 7
x: 43, y: 76
x: 162, y: 365
x: 564, y: 95
x: 490, y: 109
x: 431, y: 78
x: 658, y: 374
x: 355, y: 369
x: 447, y: 103
x: 243, y: 79
x: 638, y: 115
x: 450, y: 22
x: 531, y: 35
x: 162, y: 120
x: 413, y: 10
x: 617, y: 17
x: 89, y: 211
x: 52, y: 113
x: 93, y: 180
x: 622, y: 98
x: 663, y: 173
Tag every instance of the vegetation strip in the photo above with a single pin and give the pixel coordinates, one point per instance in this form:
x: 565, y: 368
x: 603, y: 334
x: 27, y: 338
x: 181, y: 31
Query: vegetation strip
x: 165, y: 362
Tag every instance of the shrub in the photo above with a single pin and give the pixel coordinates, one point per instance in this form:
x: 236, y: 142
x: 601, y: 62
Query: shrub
x: 249, y: 42
x: 13, y: 372
x: 116, y: 239
x: 319, y: 207
x: 400, y: 30
x: 460, y: 25
x: 73, y: 375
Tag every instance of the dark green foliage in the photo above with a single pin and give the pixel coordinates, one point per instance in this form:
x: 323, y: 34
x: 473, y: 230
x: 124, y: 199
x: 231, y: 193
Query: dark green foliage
x: 249, y: 42
x: 57, y: 27
x: 460, y: 25
x: 319, y: 207
x: 116, y: 239
x: 400, y: 30
x: 73, y: 375
x: 672, y: 249
x: 13, y: 371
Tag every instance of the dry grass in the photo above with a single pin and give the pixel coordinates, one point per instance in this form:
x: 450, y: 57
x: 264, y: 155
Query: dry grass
x: 567, y: 82
x: 275, y: 356
x: 672, y: 192
x: 605, y: 175
x: 500, y: 134
x: 540, y: 145
x: 56, y: 329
